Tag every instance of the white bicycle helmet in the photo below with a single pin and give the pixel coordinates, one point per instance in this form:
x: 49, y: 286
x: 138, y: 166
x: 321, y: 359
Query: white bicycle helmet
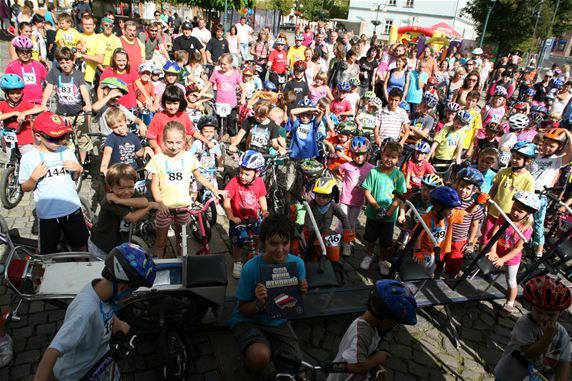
x: 528, y: 199
x: 518, y: 122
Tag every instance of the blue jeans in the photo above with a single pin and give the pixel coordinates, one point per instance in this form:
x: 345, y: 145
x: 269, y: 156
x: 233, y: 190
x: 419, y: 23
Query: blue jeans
x: 538, y: 233
x: 244, y: 50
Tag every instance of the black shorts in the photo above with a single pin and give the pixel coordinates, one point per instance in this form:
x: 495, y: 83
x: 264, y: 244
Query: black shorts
x: 72, y: 226
x: 281, y: 340
x: 379, y: 230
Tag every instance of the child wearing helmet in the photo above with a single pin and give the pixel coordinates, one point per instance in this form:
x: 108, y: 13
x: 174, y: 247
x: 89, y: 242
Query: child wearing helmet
x: 368, y: 119
x: 555, y: 152
x: 277, y: 62
x: 354, y: 96
x: 382, y: 206
x: 251, y: 82
x: 260, y: 337
x: 417, y: 166
x: 32, y: 72
x: 487, y: 159
x: 538, y: 335
x: 507, y: 250
x: 298, y: 82
x: 339, y: 145
x: 441, y: 219
x: 340, y: 106
x: 262, y: 134
x: 210, y: 159
x: 296, y: 52
x: 325, y: 207
x: 171, y: 71
x: 451, y: 109
x: 464, y: 238
x: 246, y: 200
x: 305, y: 121
x: 422, y: 119
x: 447, y: 146
x: 145, y: 77
x: 14, y: 112
x: 83, y: 339
x: 492, y: 132
x: 353, y: 173
x: 495, y: 107
x: 508, y: 181
x: 390, y: 303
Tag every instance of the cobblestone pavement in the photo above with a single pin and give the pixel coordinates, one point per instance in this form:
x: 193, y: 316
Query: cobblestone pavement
x: 422, y: 352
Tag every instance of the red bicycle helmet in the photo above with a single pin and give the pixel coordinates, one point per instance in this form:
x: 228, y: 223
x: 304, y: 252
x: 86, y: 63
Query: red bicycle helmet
x: 299, y: 65
x: 547, y: 293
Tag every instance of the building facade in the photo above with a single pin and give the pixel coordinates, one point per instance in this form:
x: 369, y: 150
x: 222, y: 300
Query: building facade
x: 423, y: 13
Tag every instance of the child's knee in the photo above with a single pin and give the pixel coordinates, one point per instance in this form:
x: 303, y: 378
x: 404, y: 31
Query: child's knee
x: 258, y: 356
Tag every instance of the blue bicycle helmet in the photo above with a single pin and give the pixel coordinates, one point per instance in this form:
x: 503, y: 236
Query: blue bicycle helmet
x: 464, y: 116
x: 269, y: 85
x: 252, y: 160
x: 130, y: 263
x: 306, y: 103
x: 11, y: 82
x: 445, y: 196
x: 423, y: 147
x: 500, y: 92
x: 530, y: 92
x: 359, y: 144
x: 404, y: 105
x: 430, y: 99
x: 525, y: 148
x: 558, y: 83
x: 539, y: 109
x: 471, y: 175
x: 344, y: 86
x: 391, y: 299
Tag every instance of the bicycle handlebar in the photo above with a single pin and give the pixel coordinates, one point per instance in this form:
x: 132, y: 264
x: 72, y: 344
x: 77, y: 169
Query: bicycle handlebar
x: 194, y: 211
x: 507, y: 219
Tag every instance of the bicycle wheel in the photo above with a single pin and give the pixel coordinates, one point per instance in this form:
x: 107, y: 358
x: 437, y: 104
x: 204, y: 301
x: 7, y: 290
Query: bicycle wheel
x: 196, y: 231
x: 87, y: 213
x: 11, y: 192
x: 175, y: 349
x: 211, y: 214
x: 141, y: 242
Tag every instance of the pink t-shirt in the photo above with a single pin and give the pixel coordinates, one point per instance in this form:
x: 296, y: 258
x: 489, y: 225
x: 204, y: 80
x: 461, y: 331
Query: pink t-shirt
x: 129, y: 100
x: 418, y: 170
x: 226, y: 86
x: 353, y: 176
x: 34, y: 74
x: 508, y: 241
x: 487, y: 116
x: 317, y: 93
x: 245, y: 198
x: 526, y: 135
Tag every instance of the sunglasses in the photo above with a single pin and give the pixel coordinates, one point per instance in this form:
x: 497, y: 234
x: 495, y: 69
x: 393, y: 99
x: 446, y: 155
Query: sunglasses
x: 53, y: 139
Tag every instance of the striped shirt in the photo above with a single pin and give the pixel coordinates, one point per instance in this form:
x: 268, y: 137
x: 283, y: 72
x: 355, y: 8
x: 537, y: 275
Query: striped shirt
x: 391, y: 122
x: 461, y: 230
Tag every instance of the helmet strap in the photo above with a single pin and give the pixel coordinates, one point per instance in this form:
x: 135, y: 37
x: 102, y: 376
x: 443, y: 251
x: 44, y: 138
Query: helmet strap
x: 117, y: 296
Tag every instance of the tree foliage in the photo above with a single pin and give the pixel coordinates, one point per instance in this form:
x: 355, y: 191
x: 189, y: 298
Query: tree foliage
x: 284, y: 6
x: 512, y: 22
x: 315, y: 10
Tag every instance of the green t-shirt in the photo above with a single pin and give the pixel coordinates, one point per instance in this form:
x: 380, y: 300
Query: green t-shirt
x: 381, y: 186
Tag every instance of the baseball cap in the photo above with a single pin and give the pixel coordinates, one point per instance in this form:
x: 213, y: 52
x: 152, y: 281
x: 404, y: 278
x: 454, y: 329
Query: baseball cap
x: 187, y: 25
x: 51, y: 124
x: 145, y: 67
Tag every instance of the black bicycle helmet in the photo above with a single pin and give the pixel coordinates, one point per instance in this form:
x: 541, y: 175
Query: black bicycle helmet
x: 207, y: 121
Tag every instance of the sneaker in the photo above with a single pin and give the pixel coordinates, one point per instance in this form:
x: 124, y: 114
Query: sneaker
x: 6, y: 350
x: 383, y: 268
x: 236, y: 270
x: 366, y: 263
x: 508, y: 309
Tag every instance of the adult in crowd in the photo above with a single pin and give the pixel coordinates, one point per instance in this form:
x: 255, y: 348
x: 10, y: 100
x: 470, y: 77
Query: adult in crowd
x: 245, y: 33
x: 331, y: 43
x: 470, y: 83
x: 109, y: 40
x: 398, y: 51
x: 81, y: 7
x: 177, y: 21
x: 260, y: 51
x: 188, y: 42
x: 133, y: 46
x: 234, y: 45
x: 428, y: 63
x: 156, y: 52
x: 346, y: 40
x: 40, y: 49
x: 160, y: 20
x: 455, y: 81
x: 320, y: 47
x: 4, y: 17
x: 396, y: 78
x: 561, y: 100
x: 50, y: 15
x: 25, y: 15
x: 308, y: 36
x: 312, y: 67
x: 367, y: 65
x: 343, y: 70
x: 119, y: 28
x: 542, y: 88
x: 94, y: 51
x: 202, y: 33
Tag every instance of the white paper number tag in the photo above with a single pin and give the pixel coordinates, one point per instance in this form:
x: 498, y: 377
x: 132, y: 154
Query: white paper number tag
x: 333, y: 240
x: 222, y: 109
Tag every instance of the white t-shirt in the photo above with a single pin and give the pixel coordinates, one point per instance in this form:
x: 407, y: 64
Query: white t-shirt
x: 544, y: 170
x: 358, y: 343
x: 204, y: 35
x: 243, y: 32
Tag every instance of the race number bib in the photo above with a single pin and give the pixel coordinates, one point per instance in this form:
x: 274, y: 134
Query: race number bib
x: 207, y: 161
x: 439, y: 234
x: 124, y: 226
x: 303, y: 131
x: 141, y: 186
x: 174, y: 176
x: 281, y: 79
x: 504, y: 158
x: 66, y: 89
x: 10, y: 137
x: 333, y: 240
x: 259, y: 138
x: 223, y: 109
x: 29, y: 78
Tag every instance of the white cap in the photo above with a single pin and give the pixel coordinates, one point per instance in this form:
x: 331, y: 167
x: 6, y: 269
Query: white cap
x: 145, y: 67
x: 477, y: 51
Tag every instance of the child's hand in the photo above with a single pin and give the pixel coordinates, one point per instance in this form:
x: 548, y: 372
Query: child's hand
x: 419, y: 257
x: 499, y: 262
x: 72, y: 166
x: 483, y: 198
x: 142, y: 130
x: 111, y: 197
x: 118, y: 325
x: 378, y: 142
x: 210, y: 144
x: 115, y: 93
x: 401, y: 219
x: 162, y: 209
x: 282, y: 151
x: 220, y: 169
x: 39, y: 172
x: 20, y: 117
x: 232, y: 148
x: 261, y: 292
x: 264, y: 213
x: 221, y: 193
x: 303, y: 286
x: 549, y: 328
x: 236, y: 220
x: 492, y: 256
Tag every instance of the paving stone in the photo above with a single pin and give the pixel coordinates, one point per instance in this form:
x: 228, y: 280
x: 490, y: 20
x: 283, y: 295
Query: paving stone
x: 19, y: 371
x: 46, y: 329
x: 36, y: 307
x: 38, y: 342
x: 212, y: 376
x: 26, y: 357
x: 56, y: 315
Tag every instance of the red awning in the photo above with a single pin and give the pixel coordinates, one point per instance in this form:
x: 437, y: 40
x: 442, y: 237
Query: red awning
x: 445, y: 28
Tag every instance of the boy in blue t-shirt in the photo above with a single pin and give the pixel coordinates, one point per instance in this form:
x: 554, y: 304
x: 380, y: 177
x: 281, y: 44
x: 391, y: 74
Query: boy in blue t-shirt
x: 258, y: 336
x: 382, y: 207
x: 121, y: 146
x: 305, y: 122
x: 49, y: 171
x: 487, y: 159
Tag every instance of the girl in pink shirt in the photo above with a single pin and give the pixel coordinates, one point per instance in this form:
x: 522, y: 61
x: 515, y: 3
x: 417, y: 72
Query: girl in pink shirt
x: 226, y: 80
x: 319, y: 89
x: 31, y: 71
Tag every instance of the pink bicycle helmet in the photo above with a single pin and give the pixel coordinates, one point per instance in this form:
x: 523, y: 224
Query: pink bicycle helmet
x: 22, y: 42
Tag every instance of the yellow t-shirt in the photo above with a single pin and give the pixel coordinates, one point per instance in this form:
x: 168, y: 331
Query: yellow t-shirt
x: 93, y: 46
x: 508, y: 183
x: 475, y: 125
x: 295, y: 54
x: 71, y: 37
x: 448, y: 140
x: 109, y: 43
x: 175, y: 175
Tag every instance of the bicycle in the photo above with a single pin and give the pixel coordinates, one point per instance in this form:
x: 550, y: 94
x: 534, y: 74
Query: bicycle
x: 204, y: 195
x: 247, y: 229
x: 11, y: 192
x: 275, y: 192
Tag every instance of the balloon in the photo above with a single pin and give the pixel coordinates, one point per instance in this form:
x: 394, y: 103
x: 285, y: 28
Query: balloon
x: 250, y: 11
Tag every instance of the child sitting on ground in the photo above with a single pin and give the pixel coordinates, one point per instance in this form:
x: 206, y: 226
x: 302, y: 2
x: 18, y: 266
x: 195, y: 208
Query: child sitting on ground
x: 246, y: 200
x: 390, y: 303
x: 538, y: 336
x: 121, y: 207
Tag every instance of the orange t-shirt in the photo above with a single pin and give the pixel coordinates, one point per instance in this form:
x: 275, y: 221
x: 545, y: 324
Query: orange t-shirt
x: 441, y: 230
x: 345, y: 150
x: 150, y: 90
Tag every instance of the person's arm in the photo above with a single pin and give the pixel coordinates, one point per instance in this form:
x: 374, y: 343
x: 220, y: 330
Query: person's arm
x: 562, y: 370
x: 141, y: 88
x: 434, y: 146
x: 86, y: 98
x: 458, y: 152
x: 371, y: 200
x: 567, y: 149
x: 405, y: 130
x: 228, y: 210
x: 155, y: 146
x: 386, y: 79
x: 105, y: 159
x: 207, y: 184
x: 37, y: 174
x: 95, y: 58
x: 34, y: 110
x: 197, y: 135
x: 406, y: 88
x: 46, y: 365
x: 47, y: 93
x: 376, y: 359
x: 236, y: 139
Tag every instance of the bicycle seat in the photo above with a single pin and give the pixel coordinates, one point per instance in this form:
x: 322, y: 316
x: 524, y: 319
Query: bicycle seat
x: 204, y: 271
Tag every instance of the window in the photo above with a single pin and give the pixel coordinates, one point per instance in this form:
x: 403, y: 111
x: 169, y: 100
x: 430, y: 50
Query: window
x: 392, y: 3
x: 387, y: 26
x: 409, y: 3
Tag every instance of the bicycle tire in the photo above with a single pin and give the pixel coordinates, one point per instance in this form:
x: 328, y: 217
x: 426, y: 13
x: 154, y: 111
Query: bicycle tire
x: 11, y: 192
x: 174, y: 348
x: 196, y: 232
x: 140, y: 242
x: 211, y: 214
